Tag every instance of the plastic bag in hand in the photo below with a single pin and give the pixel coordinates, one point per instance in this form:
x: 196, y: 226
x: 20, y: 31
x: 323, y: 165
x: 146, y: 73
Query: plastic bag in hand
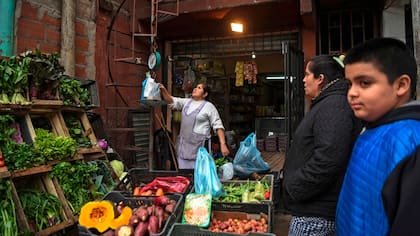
x: 205, y: 175
x: 248, y: 159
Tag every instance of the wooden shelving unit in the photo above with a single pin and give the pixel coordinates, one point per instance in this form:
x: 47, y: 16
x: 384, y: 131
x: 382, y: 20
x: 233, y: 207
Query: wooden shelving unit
x: 51, y: 114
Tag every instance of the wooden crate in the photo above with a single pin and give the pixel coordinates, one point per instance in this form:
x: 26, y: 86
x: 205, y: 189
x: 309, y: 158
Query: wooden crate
x: 86, y: 126
x: 4, y: 172
x: 50, y: 118
x: 39, y: 179
x: 39, y: 103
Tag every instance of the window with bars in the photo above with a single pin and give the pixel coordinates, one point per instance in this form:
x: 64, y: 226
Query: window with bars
x: 341, y: 30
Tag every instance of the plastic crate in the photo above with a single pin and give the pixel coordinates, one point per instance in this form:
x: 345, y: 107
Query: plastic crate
x: 257, y: 209
x: 141, y: 176
x: 270, y: 143
x: 264, y: 208
x: 268, y: 177
x: 282, y: 143
x: 134, y: 202
x: 192, y: 230
x: 277, y: 191
x: 92, y: 88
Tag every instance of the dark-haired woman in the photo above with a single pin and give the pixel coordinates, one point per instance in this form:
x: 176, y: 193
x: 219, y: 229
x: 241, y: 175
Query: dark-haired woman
x: 320, y: 150
x: 198, y: 119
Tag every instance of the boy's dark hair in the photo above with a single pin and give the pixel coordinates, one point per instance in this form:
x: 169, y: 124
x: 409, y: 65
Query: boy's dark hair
x: 390, y: 56
x: 326, y: 65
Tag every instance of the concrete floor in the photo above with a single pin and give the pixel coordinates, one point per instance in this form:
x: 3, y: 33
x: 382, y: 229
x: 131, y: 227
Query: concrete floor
x: 281, y: 224
x: 280, y: 219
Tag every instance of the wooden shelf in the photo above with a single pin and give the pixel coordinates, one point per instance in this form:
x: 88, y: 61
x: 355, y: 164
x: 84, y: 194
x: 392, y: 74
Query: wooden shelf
x: 4, y: 173
x: 32, y: 171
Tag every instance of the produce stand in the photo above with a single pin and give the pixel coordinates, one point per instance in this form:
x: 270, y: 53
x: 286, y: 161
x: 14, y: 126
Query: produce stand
x: 245, y: 212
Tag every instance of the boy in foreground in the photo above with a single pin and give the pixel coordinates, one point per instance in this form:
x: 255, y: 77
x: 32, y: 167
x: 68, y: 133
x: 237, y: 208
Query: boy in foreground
x: 380, y: 194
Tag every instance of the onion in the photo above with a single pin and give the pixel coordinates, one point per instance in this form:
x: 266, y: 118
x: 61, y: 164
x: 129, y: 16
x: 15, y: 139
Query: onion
x: 102, y: 143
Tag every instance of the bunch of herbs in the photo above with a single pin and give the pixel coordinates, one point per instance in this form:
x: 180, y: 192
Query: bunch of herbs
x: 8, y: 226
x: 76, y: 181
x: 76, y: 130
x: 72, y: 92
x: 18, y: 156
x: 104, y: 182
x: 42, y: 208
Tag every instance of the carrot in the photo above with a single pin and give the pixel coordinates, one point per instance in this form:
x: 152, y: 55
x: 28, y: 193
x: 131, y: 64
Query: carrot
x: 159, y: 192
x: 137, y: 191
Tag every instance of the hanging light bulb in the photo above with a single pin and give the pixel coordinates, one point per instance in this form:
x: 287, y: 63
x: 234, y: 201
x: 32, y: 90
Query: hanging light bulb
x: 253, y: 55
x: 237, y: 27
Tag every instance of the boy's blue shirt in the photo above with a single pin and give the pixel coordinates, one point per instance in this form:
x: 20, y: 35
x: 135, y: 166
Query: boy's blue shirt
x: 378, y: 150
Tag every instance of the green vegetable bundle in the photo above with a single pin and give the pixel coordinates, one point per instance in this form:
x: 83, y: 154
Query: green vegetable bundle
x: 51, y: 147
x: 72, y: 92
x: 42, y: 208
x: 8, y: 226
x: 76, y: 181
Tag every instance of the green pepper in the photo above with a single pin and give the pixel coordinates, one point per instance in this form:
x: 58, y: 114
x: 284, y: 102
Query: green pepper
x: 252, y: 197
x: 245, y: 196
x: 259, y: 192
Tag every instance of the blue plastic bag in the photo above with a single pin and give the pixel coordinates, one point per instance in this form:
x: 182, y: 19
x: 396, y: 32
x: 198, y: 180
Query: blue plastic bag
x: 248, y: 159
x: 143, y: 86
x: 206, y: 179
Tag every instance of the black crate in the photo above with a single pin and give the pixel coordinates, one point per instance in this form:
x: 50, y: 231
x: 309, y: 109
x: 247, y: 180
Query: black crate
x: 256, y: 209
x: 277, y: 191
x: 92, y: 88
x: 269, y: 178
x: 264, y: 208
x: 193, y: 230
x: 142, y: 176
x: 134, y: 202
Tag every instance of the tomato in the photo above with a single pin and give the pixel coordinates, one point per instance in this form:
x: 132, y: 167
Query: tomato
x: 267, y: 195
x: 2, y: 163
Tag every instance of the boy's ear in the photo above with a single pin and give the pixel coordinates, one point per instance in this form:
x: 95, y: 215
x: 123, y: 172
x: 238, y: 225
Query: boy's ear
x: 402, y: 84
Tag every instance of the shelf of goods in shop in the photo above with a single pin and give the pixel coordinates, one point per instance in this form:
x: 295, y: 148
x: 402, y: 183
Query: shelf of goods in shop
x: 142, y: 182
x: 117, y: 214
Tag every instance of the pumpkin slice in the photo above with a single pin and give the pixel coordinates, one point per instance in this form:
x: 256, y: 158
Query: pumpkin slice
x: 122, y: 219
x: 97, y: 214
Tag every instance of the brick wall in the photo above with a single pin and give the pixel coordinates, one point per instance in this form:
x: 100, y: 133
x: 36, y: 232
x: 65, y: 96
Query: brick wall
x: 38, y: 25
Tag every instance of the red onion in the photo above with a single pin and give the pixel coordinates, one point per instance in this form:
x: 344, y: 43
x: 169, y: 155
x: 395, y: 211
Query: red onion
x: 102, y: 143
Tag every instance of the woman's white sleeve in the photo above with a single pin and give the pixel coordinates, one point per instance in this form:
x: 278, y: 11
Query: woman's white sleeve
x: 178, y: 103
x: 215, y: 120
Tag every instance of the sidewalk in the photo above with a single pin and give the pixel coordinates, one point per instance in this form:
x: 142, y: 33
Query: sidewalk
x: 280, y: 221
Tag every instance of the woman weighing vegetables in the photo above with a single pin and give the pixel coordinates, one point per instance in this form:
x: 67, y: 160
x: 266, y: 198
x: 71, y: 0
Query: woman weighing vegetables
x: 198, y: 118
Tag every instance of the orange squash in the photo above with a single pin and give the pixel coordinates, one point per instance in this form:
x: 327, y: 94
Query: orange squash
x: 97, y: 214
x: 122, y: 219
